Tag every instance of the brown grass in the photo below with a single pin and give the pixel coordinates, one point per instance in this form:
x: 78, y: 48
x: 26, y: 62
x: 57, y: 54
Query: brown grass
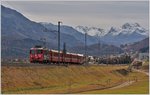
x: 58, y: 79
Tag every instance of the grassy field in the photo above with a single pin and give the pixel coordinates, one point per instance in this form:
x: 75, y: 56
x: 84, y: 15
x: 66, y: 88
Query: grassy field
x: 139, y: 87
x: 72, y: 79
x: 145, y: 66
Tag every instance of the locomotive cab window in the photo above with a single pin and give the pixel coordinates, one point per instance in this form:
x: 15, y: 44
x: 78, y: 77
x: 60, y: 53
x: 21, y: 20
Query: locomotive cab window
x: 39, y: 51
x: 32, y: 52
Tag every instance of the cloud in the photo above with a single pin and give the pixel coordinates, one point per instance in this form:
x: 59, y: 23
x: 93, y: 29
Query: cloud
x: 97, y: 13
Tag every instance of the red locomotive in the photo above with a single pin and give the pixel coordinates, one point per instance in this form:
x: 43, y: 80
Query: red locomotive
x: 44, y: 55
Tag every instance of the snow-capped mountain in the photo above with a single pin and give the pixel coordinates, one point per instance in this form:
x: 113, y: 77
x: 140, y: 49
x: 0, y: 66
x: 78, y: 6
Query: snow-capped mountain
x: 127, y: 33
x: 129, y: 28
x: 126, y: 29
x: 113, y: 31
x: 130, y: 25
x: 93, y: 31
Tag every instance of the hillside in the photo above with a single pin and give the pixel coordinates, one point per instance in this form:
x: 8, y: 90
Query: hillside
x: 98, y: 49
x: 73, y: 79
x: 141, y: 46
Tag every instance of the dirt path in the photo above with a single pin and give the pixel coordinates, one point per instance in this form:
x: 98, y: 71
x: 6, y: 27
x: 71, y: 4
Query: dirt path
x: 127, y: 83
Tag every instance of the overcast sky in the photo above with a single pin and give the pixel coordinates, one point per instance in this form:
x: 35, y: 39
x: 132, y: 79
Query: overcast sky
x: 103, y: 14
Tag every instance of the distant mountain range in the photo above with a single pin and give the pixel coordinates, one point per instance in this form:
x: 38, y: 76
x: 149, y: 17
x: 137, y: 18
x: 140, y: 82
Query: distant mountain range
x: 128, y: 33
x: 19, y: 34
x: 98, y: 50
x: 70, y: 31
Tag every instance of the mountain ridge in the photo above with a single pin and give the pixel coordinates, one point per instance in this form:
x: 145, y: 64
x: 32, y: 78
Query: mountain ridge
x: 140, y: 46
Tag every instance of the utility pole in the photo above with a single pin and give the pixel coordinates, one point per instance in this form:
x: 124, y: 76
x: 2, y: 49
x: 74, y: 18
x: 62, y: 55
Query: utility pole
x: 59, y: 42
x: 99, y: 46
x: 64, y: 48
x: 85, y: 48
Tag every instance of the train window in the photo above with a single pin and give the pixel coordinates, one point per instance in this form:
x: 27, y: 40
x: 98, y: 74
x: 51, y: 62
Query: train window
x: 55, y: 54
x: 32, y: 52
x: 39, y: 51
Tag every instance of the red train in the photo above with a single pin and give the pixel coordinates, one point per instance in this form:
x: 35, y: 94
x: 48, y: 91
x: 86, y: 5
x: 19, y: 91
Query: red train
x: 44, y: 55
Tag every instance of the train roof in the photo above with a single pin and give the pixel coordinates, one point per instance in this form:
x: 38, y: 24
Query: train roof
x: 75, y: 54
x: 54, y: 50
x: 80, y: 54
x: 41, y: 48
x: 67, y: 52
